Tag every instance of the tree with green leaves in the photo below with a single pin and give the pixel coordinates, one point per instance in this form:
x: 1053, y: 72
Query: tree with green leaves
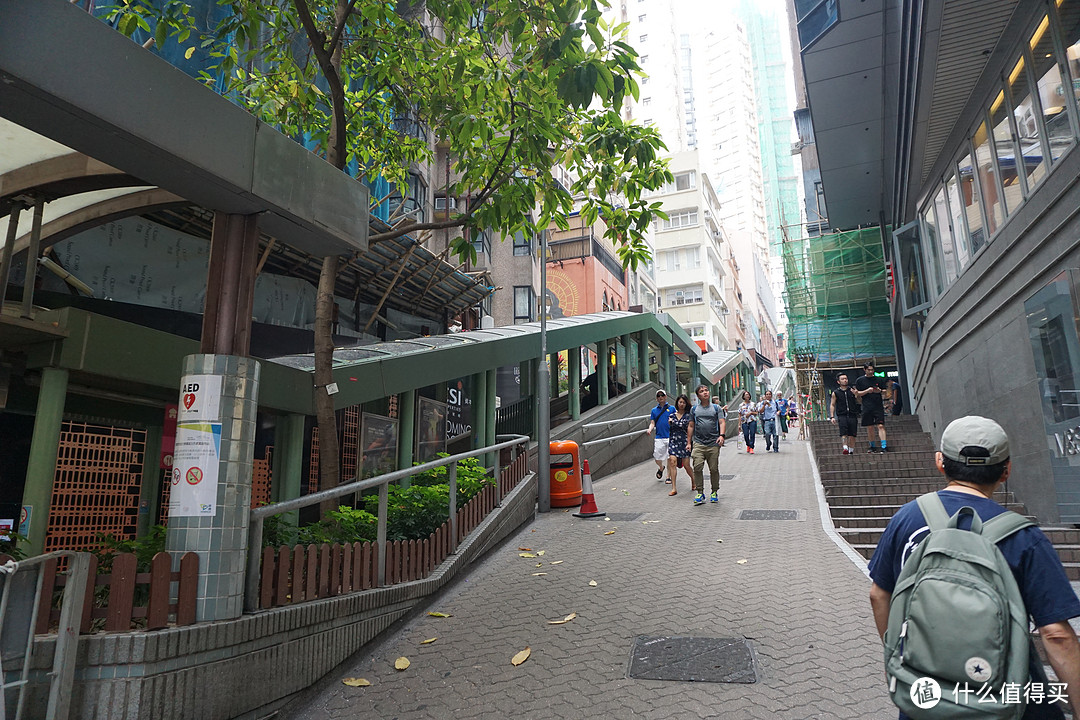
x: 512, y: 89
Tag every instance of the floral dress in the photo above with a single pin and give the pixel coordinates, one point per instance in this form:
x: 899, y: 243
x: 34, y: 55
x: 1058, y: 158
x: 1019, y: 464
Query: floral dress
x: 677, y: 441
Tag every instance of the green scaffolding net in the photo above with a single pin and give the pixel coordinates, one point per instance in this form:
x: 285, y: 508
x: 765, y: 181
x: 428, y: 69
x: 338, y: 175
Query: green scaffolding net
x: 838, y: 312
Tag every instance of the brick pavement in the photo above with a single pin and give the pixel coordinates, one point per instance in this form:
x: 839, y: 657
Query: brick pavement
x: 800, y: 601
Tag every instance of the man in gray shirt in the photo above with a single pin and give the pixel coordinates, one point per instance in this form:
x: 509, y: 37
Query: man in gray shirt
x: 710, y: 423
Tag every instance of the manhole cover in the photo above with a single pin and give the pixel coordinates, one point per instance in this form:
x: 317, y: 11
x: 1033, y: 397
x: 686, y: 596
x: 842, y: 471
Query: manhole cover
x: 721, y: 660
x: 769, y: 515
x: 624, y: 517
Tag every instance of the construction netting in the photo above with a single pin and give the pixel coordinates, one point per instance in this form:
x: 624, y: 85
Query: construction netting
x: 837, y: 307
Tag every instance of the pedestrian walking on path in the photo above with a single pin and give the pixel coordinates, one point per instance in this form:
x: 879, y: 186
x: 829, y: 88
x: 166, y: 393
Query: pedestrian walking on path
x: 681, y: 424
x: 658, y: 423
x: 844, y: 413
x: 974, y: 458
x: 770, y: 411
x: 710, y: 422
x: 782, y: 413
x: 748, y: 411
x: 868, y: 389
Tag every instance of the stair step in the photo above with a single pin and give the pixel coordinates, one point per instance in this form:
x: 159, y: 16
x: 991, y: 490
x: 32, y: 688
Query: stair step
x: 896, y: 500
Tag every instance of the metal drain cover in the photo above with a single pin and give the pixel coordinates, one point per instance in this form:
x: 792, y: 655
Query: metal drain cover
x: 769, y: 515
x: 689, y: 659
x: 624, y: 517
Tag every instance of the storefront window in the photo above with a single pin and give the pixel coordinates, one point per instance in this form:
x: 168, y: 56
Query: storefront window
x: 956, y: 220
x: 995, y: 212
x: 947, y: 249
x: 910, y: 273
x: 1005, y: 149
x: 1032, y: 155
x: 972, y: 207
x: 932, y: 246
x: 1053, y: 101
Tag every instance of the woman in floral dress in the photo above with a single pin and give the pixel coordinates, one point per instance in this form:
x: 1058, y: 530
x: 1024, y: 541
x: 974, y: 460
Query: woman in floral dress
x: 681, y: 425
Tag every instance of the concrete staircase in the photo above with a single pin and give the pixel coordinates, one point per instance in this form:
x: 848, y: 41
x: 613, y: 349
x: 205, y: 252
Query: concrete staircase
x: 865, y: 490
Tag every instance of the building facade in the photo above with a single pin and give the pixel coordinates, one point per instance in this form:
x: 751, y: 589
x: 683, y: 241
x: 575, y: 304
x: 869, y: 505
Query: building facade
x: 974, y: 165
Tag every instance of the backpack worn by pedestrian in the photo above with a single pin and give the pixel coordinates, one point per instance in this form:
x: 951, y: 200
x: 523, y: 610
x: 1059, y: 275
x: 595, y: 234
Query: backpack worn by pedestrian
x: 957, y: 617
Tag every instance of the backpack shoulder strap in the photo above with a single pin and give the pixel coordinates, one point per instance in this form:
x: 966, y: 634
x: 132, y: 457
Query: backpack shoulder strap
x: 1002, y: 526
x: 933, y: 511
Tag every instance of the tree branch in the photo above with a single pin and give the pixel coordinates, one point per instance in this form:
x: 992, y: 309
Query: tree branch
x: 340, y: 28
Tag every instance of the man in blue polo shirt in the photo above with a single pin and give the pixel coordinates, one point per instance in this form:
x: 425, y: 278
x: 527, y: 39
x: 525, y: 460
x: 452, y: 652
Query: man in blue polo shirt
x: 974, y: 458
x: 658, y: 423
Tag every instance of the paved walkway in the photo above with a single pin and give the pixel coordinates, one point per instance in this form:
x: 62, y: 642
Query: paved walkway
x: 800, y: 601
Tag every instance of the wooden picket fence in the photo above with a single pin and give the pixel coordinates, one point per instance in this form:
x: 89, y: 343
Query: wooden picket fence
x: 116, y: 605
x: 291, y: 575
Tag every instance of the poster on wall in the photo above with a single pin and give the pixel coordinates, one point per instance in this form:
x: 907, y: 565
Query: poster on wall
x: 430, y: 429
x: 197, y: 448
x: 458, y: 409
x: 379, y: 440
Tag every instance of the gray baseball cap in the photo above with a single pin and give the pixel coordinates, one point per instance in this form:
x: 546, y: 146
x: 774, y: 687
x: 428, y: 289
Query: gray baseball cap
x: 975, y: 431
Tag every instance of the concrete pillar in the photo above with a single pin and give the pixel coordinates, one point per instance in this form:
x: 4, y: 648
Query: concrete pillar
x: 489, y: 408
x: 643, y: 356
x: 150, y: 487
x: 44, y: 447
x: 672, y: 373
x: 573, y: 362
x: 218, y: 532
x: 407, y: 430
x: 602, y: 367
x: 286, y: 475
x: 625, y: 366
x: 480, y: 414
x: 553, y: 365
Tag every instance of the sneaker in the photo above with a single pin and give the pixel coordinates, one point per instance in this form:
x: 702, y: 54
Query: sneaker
x: 699, y: 498
x: 713, y: 498
x: 846, y: 452
x: 872, y: 451
x: 750, y: 450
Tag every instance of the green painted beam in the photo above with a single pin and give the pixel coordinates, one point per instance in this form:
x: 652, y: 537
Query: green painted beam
x: 150, y: 486
x: 44, y: 448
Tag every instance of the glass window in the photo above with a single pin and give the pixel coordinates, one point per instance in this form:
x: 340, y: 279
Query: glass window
x: 684, y: 181
x: 956, y: 220
x: 945, y: 239
x: 1069, y: 12
x: 911, y: 276
x: 1004, y: 148
x: 1052, y: 100
x: 524, y: 304
x: 693, y: 257
x: 1028, y: 131
x: 523, y: 244
x: 681, y: 219
x: 932, y: 247
x: 988, y: 183
x: 972, y: 207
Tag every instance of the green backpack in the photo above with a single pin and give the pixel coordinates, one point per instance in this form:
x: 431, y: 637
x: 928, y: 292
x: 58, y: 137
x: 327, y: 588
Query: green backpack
x: 957, y: 618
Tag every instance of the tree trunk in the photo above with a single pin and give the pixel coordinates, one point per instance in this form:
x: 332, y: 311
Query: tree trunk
x: 329, y: 454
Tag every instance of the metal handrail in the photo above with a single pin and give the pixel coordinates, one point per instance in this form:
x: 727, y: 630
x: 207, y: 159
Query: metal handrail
x: 613, y: 438
x: 586, y: 426
x: 259, y: 515
x: 67, y: 635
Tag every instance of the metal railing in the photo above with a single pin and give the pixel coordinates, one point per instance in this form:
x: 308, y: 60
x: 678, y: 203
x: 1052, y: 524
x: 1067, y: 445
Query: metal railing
x: 20, y: 598
x: 259, y: 515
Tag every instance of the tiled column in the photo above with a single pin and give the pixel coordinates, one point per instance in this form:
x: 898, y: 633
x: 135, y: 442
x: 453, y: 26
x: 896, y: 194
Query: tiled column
x: 573, y: 363
x: 221, y: 539
x: 625, y: 367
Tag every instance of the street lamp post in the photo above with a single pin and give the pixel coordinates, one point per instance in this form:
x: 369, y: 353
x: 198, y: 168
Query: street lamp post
x: 543, y: 393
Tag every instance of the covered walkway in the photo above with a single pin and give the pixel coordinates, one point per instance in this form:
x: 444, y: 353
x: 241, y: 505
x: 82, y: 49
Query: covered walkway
x: 784, y: 586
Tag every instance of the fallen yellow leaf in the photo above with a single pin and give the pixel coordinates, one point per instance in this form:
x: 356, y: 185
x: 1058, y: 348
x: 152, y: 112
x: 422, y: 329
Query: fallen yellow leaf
x: 740, y: 562
x: 429, y: 641
x: 607, y: 519
x: 525, y: 549
x: 592, y: 583
x: 438, y: 614
x: 565, y: 620
x: 526, y: 555
x: 402, y: 663
x: 610, y: 532
x: 557, y: 562
x: 540, y: 553
x: 539, y: 564
x: 521, y: 656
x: 719, y: 540
x: 537, y: 574
x: 356, y: 682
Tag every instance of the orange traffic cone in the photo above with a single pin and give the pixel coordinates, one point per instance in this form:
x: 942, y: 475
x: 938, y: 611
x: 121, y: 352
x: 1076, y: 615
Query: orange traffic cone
x: 588, y: 500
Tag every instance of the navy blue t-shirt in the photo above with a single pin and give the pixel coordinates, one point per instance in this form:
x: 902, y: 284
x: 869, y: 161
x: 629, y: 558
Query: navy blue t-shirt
x: 1047, y: 594
x: 660, y: 416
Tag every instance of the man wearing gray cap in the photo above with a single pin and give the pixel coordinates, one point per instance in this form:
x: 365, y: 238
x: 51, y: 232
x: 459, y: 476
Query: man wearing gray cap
x: 974, y: 458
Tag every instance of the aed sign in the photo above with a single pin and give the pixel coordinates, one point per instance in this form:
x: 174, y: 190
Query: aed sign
x: 200, y: 399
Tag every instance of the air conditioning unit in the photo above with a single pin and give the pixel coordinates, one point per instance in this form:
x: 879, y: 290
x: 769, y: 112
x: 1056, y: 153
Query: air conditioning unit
x: 441, y: 203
